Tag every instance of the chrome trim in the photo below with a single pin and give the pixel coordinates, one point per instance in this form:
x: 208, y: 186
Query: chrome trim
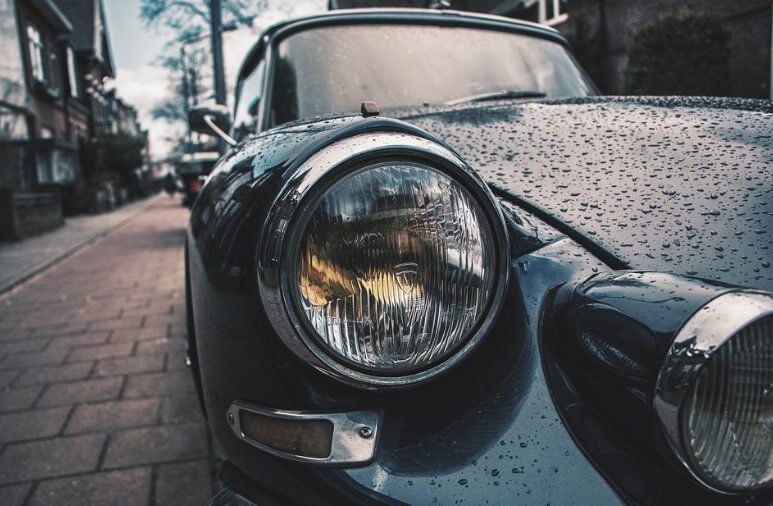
x: 700, y: 337
x: 355, y: 434
x: 210, y: 121
x: 332, y: 162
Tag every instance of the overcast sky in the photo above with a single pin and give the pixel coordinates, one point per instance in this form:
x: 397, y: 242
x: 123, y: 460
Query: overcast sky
x: 136, y: 49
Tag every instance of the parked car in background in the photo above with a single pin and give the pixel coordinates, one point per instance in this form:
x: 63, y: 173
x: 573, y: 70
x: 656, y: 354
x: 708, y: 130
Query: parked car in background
x: 436, y: 268
x: 192, y: 170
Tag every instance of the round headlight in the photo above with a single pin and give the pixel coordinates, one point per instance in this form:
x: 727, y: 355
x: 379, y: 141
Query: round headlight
x: 384, y: 260
x: 394, y: 267
x: 715, y: 393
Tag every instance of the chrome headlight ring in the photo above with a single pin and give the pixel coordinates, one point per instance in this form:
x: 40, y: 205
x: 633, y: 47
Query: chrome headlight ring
x: 717, y: 324
x: 282, y: 230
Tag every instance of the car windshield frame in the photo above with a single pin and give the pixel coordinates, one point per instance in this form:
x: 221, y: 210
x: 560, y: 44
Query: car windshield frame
x: 266, y: 48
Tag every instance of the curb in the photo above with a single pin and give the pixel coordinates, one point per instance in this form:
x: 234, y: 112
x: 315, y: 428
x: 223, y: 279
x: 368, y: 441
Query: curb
x: 7, y: 287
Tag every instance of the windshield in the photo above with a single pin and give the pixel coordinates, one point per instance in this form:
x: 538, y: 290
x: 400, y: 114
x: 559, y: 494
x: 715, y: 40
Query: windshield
x: 334, y: 69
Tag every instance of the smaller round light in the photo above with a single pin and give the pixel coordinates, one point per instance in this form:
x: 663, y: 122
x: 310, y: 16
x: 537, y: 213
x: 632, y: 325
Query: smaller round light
x: 715, y: 393
x: 728, y: 422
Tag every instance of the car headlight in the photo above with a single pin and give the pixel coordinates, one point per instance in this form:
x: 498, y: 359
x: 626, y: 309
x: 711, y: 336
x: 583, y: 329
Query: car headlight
x: 384, y: 263
x: 714, y: 393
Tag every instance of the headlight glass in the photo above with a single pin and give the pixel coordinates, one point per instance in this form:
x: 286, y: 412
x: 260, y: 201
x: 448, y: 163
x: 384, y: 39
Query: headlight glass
x: 395, y: 267
x: 728, y: 421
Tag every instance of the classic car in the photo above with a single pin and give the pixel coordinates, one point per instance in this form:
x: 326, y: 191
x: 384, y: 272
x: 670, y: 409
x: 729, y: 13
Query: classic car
x: 436, y: 268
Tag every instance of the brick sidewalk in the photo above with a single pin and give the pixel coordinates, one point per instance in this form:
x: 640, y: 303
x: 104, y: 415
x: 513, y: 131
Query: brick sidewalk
x: 96, y: 403
x: 21, y: 260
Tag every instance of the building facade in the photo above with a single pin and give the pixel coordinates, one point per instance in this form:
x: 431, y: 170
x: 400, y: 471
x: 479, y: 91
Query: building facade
x: 56, y: 97
x: 35, y: 141
x: 600, y: 31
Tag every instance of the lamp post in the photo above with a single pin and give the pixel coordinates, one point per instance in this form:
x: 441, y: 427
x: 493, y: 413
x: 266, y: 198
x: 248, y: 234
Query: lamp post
x: 216, y: 33
x: 186, y: 96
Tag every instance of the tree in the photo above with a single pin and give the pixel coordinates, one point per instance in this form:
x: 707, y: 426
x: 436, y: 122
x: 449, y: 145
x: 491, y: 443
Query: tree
x: 681, y: 54
x: 120, y: 154
x: 191, y: 18
x: 188, y: 78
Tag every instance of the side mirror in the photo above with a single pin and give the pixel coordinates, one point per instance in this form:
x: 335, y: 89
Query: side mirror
x: 203, y: 117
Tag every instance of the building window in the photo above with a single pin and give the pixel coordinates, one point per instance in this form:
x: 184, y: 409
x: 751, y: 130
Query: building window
x: 37, y: 49
x: 72, y: 74
x: 552, y: 12
x: 13, y: 124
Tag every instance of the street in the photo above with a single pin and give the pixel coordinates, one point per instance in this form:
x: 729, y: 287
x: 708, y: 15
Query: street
x: 97, y: 405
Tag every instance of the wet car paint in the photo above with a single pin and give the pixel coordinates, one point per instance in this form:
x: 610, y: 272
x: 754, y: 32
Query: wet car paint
x: 674, y: 184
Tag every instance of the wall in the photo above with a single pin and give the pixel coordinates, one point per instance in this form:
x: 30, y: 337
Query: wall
x: 24, y: 215
x: 600, y: 30
x: 16, y: 166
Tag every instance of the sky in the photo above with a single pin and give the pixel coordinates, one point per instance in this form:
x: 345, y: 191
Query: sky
x: 143, y: 83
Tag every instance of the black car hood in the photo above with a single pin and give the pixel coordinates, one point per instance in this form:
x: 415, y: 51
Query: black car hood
x: 681, y: 185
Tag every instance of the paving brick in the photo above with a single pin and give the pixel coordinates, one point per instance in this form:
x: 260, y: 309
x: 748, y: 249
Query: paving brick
x: 134, y: 307
x: 33, y: 424
x: 129, y: 323
x: 107, y: 292
x: 7, y: 377
x: 145, y: 333
x: 60, y: 330
x: 92, y: 338
x: 181, y: 409
x: 129, y: 365
x: 156, y: 444
x: 81, y: 391
x: 105, y: 416
x: 161, y: 309
x: 155, y: 384
x: 28, y: 344
x: 183, y: 482
x: 117, y: 488
x: 49, y: 374
x: 43, y: 320
x: 18, y: 398
x: 163, y: 320
x: 100, y: 351
x: 169, y: 298
x: 50, y: 458
x: 162, y: 345
x: 14, y: 335
x: 176, y: 360
x: 50, y: 356
x: 14, y: 495
x: 95, y: 313
x: 177, y: 331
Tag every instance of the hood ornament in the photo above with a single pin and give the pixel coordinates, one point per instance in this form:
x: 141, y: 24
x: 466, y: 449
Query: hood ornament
x: 369, y: 108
